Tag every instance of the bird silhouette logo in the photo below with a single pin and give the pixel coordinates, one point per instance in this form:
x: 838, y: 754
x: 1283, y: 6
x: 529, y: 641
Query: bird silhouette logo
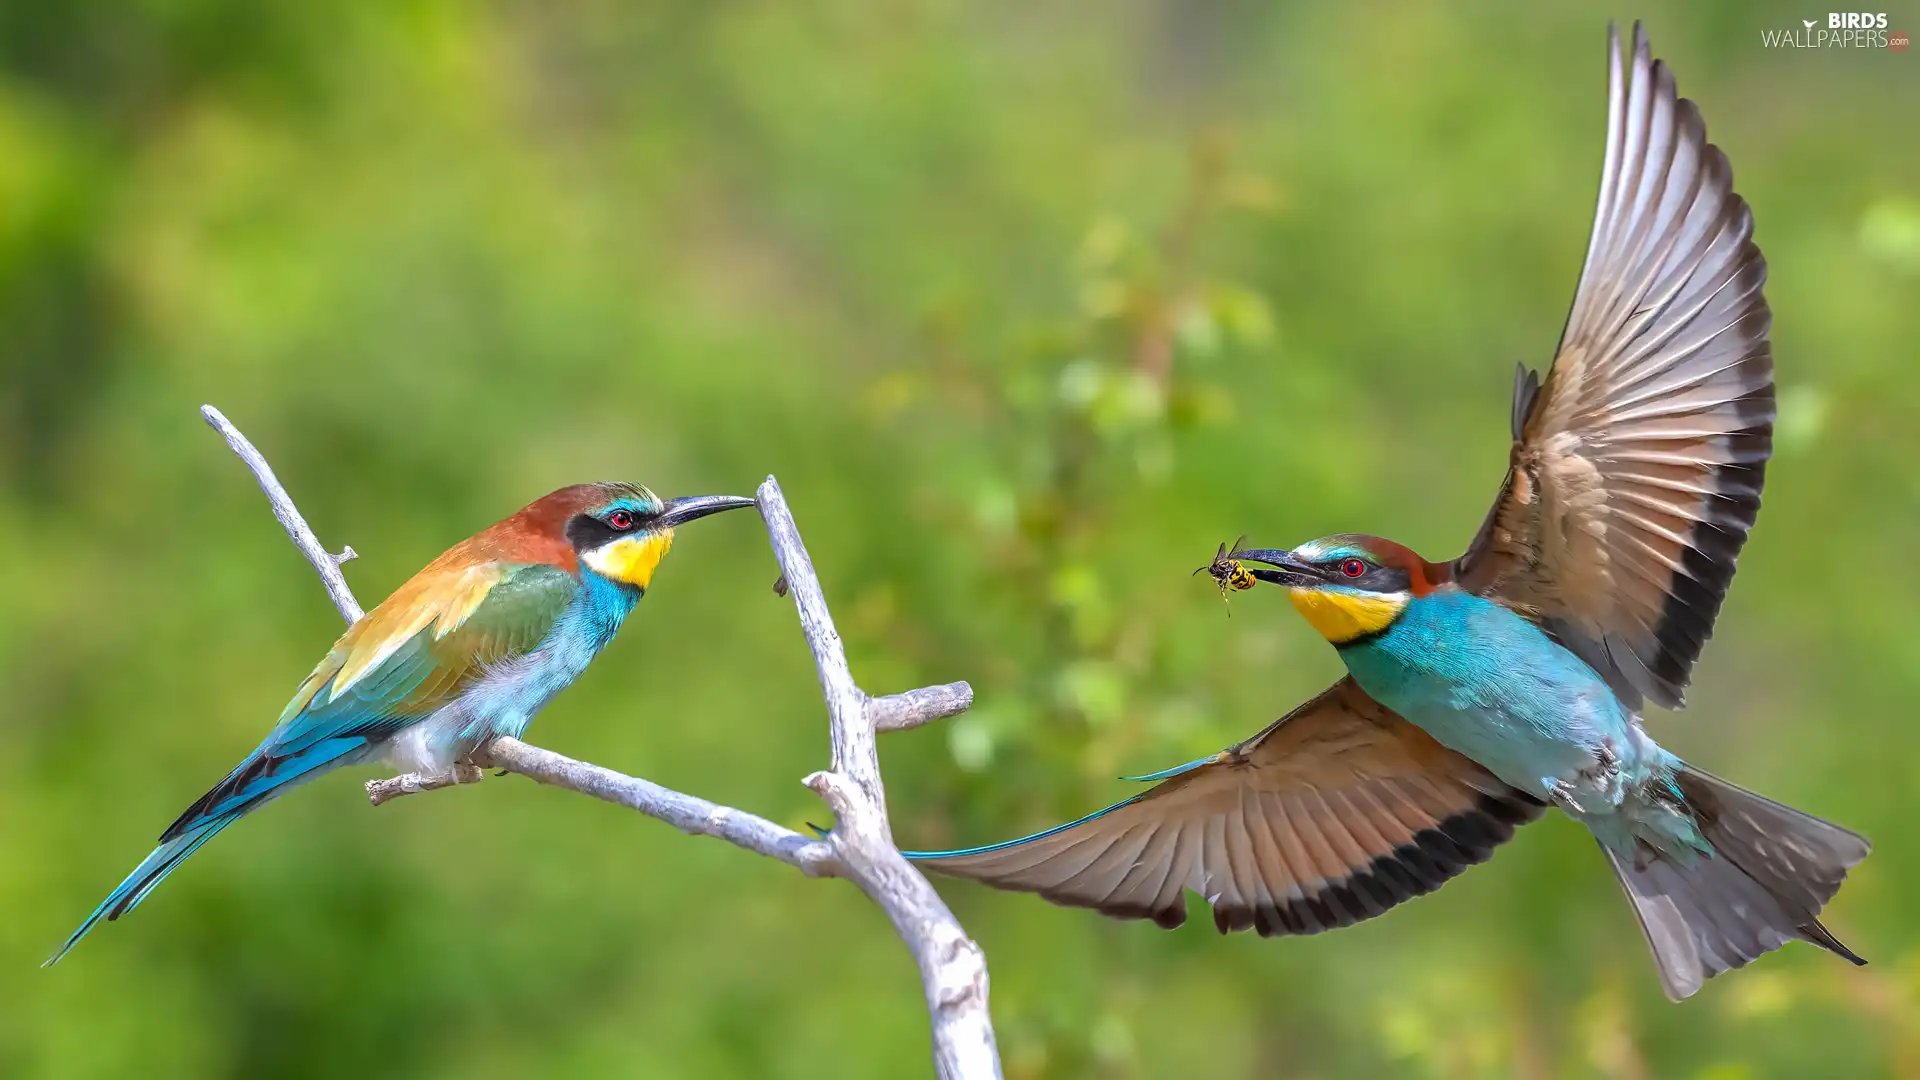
x: 1809, y: 22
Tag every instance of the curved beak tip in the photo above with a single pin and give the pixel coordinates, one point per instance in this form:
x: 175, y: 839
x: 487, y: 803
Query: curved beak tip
x: 693, y: 507
x: 1270, y: 556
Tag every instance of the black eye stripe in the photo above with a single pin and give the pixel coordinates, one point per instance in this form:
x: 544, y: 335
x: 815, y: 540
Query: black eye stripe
x: 1372, y: 578
x: 587, y: 531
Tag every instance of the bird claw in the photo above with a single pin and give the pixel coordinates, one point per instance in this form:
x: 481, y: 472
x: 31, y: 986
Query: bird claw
x: 1560, y: 793
x: 466, y: 773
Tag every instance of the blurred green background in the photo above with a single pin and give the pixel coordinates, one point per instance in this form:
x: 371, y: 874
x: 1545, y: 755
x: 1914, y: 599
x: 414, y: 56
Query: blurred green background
x: 1028, y: 306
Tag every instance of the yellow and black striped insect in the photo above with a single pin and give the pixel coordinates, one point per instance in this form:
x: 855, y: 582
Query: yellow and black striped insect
x: 1229, y: 573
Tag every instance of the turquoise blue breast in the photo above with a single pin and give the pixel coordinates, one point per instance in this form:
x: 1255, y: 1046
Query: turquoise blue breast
x: 1489, y: 684
x: 506, y: 701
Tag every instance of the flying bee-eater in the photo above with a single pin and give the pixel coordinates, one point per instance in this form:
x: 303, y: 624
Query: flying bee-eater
x: 469, y: 649
x: 1481, y: 691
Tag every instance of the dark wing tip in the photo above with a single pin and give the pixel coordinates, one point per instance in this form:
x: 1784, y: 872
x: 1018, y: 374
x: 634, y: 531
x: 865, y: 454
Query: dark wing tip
x: 1707, y: 565
x: 1435, y: 856
x: 1817, y: 933
x: 1170, y: 916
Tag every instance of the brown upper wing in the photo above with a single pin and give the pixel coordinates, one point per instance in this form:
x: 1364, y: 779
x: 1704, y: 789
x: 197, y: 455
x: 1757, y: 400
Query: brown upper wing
x: 1333, y: 815
x: 1637, y: 467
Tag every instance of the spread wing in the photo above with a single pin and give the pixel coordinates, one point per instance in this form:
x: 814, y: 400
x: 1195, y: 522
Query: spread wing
x: 1333, y: 815
x: 1636, y: 469
x: 411, y: 655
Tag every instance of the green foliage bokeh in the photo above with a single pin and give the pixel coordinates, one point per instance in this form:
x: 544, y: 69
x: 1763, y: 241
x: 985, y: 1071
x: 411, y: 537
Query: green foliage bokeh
x: 1028, y: 306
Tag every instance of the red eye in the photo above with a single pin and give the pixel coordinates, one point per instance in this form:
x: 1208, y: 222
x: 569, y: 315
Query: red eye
x: 1353, y: 568
x: 621, y: 520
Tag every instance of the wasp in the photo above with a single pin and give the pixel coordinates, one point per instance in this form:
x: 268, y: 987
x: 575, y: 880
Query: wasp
x: 1229, y: 573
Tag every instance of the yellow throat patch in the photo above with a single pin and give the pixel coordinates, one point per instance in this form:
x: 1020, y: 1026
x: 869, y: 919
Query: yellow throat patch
x: 1341, y: 616
x: 631, y: 560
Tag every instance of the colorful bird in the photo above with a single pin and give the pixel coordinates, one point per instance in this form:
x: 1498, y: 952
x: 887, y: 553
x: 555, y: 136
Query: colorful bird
x: 1483, y: 690
x: 469, y: 649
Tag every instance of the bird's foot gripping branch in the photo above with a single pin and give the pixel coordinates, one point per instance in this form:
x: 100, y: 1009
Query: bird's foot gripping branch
x: 860, y: 848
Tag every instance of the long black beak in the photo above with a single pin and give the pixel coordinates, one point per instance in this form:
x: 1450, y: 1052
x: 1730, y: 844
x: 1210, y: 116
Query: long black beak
x: 1292, y: 571
x: 693, y: 507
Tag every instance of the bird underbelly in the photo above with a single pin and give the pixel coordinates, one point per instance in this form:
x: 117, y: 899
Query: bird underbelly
x: 434, y: 745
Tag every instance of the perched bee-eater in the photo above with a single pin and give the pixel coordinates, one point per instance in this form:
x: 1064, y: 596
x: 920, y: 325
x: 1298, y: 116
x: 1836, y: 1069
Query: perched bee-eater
x: 469, y: 649
x: 1483, y: 690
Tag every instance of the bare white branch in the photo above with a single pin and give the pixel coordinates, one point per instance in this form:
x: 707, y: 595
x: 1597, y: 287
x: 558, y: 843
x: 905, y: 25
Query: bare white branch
x: 413, y: 783
x: 323, y: 564
x: 690, y: 814
x: 898, y: 712
x: 953, y: 968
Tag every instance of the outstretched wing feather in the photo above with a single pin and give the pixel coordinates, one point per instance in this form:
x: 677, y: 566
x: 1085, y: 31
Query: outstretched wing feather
x: 1637, y: 467
x: 1334, y: 814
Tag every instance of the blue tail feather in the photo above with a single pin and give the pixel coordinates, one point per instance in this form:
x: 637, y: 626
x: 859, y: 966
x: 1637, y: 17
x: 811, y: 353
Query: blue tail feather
x: 244, y: 790
x: 265, y: 774
x: 151, y: 871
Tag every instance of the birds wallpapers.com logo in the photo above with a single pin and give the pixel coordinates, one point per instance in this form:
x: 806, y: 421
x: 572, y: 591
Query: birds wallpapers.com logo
x: 1839, y: 30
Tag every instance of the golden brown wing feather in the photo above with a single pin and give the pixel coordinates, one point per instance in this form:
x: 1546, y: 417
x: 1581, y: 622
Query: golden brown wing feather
x: 1334, y: 814
x: 1636, y: 469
